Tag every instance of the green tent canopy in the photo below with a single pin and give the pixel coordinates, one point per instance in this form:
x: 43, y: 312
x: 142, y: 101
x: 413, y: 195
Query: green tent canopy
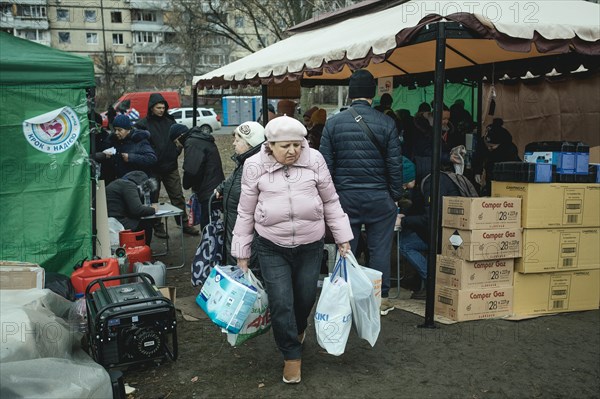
x: 45, y: 186
x: 24, y: 62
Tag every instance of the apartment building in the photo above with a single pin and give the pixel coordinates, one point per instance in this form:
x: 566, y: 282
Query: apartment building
x: 131, y: 42
x: 26, y: 19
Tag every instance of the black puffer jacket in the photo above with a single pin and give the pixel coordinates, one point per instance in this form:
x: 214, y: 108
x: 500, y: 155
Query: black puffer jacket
x: 123, y: 200
x: 231, y: 189
x: 353, y: 160
x: 165, y: 149
x: 202, y: 169
x: 136, y: 145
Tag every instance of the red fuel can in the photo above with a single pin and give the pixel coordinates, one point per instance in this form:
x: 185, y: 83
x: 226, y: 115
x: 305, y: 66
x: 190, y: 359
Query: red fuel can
x: 92, y: 270
x: 128, y: 238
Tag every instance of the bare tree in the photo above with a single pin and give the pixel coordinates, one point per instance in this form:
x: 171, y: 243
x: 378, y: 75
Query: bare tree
x: 264, y: 21
x: 117, y: 78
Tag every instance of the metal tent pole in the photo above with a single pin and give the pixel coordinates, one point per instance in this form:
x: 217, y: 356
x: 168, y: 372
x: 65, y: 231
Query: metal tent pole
x: 194, y: 104
x: 434, y: 220
x: 265, y: 105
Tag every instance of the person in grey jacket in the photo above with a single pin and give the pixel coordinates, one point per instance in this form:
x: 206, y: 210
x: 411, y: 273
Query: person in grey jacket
x: 247, y: 139
x: 367, y: 181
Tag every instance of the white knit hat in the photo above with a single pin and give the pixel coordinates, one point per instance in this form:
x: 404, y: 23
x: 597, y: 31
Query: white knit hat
x: 251, y: 132
x: 284, y: 128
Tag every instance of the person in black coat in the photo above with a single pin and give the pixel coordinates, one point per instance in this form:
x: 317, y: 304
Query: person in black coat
x: 498, y: 148
x: 367, y: 181
x: 202, y: 168
x: 248, y: 138
x: 103, y: 142
x: 166, y: 170
x: 132, y: 148
x: 124, y: 201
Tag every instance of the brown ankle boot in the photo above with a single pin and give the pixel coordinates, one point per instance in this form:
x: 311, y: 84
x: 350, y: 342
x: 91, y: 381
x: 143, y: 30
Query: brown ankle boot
x: 292, y: 371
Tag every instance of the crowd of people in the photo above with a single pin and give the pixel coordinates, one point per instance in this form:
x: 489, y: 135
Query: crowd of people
x: 354, y: 177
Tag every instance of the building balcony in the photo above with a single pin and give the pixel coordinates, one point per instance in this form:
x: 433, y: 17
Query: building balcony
x: 8, y: 21
x: 150, y: 5
x: 142, y: 26
x: 26, y: 2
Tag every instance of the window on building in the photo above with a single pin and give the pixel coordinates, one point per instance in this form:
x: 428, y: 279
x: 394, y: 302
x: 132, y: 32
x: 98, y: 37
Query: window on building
x: 29, y: 34
x: 116, y: 17
x: 147, y: 37
x: 64, y: 37
x: 119, y: 59
x: 118, y: 38
x: 89, y: 15
x: 239, y: 22
x: 143, y: 16
x: 173, y: 58
x: 149, y: 58
x: 32, y: 12
x: 62, y: 14
x: 91, y: 38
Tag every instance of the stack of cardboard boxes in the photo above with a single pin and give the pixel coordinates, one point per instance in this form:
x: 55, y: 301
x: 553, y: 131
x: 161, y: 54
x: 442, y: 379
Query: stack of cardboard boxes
x: 560, y: 267
x: 474, y: 273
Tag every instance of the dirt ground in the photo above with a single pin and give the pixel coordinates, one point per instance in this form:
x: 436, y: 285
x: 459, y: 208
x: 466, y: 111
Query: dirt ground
x: 547, y: 357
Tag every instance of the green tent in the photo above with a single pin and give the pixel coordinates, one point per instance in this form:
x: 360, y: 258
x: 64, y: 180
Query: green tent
x: 45, y: 187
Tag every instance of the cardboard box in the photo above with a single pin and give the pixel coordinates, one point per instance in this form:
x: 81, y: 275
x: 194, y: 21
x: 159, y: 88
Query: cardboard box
x: 227, y: 297
x: 551, y: 205
x: 20, y: 275
x: 462, y: 305
x: 551, y: 250
x: 462, y: 274
x: 170, y: 293
x: 482, y: 244
x: 541, y: 293
x: 481, y: 213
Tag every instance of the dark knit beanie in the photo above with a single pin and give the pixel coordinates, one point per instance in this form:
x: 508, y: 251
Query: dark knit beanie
x: 122, y: 121
x: 362, y: 84
x: 176, y: 130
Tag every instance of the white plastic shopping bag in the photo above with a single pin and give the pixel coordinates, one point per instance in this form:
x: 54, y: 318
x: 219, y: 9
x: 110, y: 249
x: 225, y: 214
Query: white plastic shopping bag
x: 365, y: 306
x: 374, y: 275
x: 333, y: 316
x: 259, y: 320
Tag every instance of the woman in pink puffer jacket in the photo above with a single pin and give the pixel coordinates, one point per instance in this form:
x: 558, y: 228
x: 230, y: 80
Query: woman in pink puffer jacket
x: 287, y: 197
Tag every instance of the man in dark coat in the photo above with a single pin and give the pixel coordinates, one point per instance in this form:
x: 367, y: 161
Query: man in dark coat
x: 498, y: 147
x: 132, y: 148
x: 166, y: 170
x: 202, y: 169
x: 102, y: 139
x: 125, y: 203
x: 367, y: 181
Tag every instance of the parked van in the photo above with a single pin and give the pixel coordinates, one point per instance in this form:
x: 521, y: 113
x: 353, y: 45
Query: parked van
x: 135, y: 104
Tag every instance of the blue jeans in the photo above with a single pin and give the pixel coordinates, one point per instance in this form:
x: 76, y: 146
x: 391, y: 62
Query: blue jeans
x: 377, y: 212
x: 411, y: 247
x: 290, y: 276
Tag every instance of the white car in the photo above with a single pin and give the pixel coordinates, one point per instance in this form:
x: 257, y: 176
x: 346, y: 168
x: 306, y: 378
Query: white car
x: 206, y: 118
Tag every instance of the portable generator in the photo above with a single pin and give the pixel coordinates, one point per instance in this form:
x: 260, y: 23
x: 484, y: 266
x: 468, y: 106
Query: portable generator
x: 129, y: 323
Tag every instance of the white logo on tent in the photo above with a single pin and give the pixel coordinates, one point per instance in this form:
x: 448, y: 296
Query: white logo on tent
x: 53, y: 132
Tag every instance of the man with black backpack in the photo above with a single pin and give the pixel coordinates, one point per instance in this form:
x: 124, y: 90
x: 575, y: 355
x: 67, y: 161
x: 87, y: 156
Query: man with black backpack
x: 414, y: 236
x: 362, y: 150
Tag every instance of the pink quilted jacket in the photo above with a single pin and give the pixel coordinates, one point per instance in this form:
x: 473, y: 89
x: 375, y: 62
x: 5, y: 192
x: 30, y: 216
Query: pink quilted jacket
x: 287, y: 205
